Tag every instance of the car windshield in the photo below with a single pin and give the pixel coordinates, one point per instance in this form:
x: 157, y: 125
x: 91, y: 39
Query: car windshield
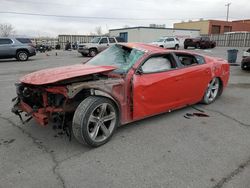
x: 95, y: 40
x: 118, y: 56
x: 160, y: 40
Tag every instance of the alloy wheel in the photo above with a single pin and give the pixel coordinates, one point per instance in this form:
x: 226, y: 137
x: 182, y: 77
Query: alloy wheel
x: 101, y: 122
x: 23, y: 56
x: 212, y: 90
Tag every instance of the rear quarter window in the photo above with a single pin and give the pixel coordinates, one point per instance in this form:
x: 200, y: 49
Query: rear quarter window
x: 111, y: 40
x: 5, y: 41
x: 200, y: 59
x: 24, y: 40
x: 119, y: 39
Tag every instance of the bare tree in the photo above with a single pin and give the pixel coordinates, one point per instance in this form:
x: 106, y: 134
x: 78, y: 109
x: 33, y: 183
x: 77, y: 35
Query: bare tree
x: 98, y: 30
x: 6, y: 30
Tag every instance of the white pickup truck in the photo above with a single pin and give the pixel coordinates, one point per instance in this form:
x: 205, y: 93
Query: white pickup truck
x: 97, y: 45
x: 167, y: 42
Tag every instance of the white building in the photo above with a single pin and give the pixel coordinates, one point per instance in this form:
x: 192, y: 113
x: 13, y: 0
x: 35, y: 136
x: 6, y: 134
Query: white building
x: 150, y: 34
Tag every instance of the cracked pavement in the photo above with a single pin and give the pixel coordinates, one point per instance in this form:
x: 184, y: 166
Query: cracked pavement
x: 163, y: 151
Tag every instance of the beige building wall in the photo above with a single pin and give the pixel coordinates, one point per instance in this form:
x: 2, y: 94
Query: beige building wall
x: 148, y: 35
x: 203, y: 26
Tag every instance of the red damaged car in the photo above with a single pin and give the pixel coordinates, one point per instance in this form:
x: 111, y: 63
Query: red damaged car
x: 125, y: 83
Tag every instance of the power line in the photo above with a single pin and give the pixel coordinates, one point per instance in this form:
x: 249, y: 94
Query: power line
x: 81, y: 17
x: 92, y: 17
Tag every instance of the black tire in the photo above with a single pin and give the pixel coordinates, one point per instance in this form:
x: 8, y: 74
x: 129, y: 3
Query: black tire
x: 22, y: 55
x: 84, y: 55
x: 197, y: 45
x: 161, y: 46
x: 92, y: 52
x: 176, y: 47
x: 243, y: 67
x: 205, y: 99
x: 185, y: 47
x: 82, y: 122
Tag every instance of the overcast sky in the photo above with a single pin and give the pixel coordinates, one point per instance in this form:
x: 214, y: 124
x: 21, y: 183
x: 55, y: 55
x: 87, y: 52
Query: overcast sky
x: 83, y: 16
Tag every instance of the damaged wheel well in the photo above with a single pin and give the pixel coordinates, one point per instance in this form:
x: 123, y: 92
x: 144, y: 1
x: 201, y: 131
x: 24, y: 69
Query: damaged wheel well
x: 84, y: 93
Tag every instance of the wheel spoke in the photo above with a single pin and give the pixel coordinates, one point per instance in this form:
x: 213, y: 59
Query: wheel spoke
x: 212, y: 82
x: 105, y: 130
x: 215, y: 87
x: 109, y: 117
x: 213, y: 94
x: 93, y: 119
x: 95, y: 132
x: 208, y: 93
x: 103, y: 110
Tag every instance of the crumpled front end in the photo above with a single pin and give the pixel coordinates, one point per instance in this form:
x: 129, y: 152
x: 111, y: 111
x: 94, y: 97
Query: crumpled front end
x: 41, y: 103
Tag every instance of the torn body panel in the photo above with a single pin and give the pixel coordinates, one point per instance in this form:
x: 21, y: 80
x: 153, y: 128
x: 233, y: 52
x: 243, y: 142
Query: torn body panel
x: 42, y: 102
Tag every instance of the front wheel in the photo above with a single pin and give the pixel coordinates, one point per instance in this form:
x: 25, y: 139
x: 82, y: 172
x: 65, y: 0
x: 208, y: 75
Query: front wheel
x: 212, y: 92
x: 95, y: 121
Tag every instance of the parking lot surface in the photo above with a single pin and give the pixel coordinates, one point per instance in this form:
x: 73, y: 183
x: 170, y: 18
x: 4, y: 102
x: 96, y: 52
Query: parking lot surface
x: 168, y: 150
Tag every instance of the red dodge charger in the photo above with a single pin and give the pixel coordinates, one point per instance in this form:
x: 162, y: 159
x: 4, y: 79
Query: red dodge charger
x: 125, y: 83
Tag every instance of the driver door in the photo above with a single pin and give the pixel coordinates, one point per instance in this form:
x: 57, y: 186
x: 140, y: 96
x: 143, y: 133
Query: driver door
x: 156, y: 87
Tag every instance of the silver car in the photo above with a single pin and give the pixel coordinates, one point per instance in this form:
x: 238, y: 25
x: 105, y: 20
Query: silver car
x: 19, y: 48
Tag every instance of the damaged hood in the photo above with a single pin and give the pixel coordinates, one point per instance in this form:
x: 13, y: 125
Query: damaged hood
x: 48, y: 76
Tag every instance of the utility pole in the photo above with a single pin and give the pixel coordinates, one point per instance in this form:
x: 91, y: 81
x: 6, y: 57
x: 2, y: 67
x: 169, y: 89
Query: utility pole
x: 227, y: 5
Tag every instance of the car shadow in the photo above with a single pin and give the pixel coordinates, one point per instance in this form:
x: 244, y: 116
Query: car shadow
x: 14, y: 60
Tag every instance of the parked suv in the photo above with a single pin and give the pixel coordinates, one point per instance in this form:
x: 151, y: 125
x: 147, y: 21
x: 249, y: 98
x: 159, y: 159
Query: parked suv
x: 167, y: 42
x: 19, y: 48
x: 97, y: 45
x: 199, y: 42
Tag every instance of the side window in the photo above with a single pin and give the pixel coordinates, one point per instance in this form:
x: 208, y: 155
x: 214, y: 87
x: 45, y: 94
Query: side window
x: 158, y: 64
x: 104, y: 41
x: 170, y: 39
x: 5, y: 41
x: 111, y: 40
x: 119, y: 39
x: 189, y: 60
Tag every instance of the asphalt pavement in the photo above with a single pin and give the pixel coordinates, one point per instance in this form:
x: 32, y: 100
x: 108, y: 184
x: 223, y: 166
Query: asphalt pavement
x: 165, y: 151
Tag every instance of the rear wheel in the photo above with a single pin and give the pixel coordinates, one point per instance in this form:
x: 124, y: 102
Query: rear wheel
x: 176, y: 47
x: 22, y: 56
x: 95, y: 121
x: 243, y: 66
x: 212, y: 92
